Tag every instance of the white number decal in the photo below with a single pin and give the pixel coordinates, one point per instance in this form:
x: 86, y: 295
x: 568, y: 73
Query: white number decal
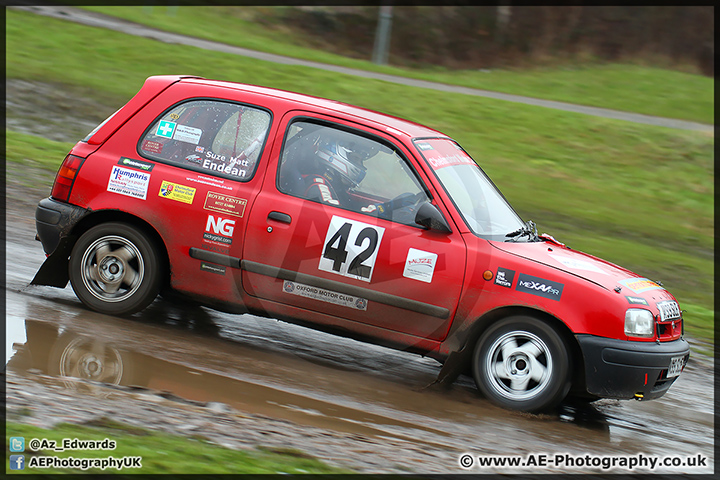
x: 350, y: 248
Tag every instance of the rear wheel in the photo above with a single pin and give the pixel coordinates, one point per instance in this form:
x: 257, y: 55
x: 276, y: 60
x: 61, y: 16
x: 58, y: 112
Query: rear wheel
x: 522, y: 363
x: 115, y: 269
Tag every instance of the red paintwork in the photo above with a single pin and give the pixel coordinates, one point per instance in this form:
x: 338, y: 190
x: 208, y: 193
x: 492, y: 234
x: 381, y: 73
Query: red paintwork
x: 589, y: 303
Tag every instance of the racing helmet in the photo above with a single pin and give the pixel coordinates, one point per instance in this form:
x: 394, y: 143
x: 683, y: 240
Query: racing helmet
x: 343, y: 161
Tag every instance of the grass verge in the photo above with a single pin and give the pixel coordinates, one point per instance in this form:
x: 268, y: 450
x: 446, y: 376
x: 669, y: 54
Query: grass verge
x: 637, y: 195
x: 625, y: 87
x: 161, y: 453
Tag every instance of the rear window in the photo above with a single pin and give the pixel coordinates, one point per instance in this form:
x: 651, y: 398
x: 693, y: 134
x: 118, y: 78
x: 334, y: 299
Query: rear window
x: 211, y: 136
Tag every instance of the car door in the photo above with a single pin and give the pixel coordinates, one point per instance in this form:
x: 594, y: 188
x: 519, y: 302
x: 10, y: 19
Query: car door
x: 367, y: 262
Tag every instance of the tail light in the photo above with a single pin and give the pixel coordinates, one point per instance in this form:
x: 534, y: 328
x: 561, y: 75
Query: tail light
x: 65, y: 177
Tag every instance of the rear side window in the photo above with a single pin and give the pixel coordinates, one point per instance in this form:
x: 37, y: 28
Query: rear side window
x: 220, y: 138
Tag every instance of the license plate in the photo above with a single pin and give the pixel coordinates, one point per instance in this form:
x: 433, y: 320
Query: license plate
x: 676, y: 366
x: 668, y: 310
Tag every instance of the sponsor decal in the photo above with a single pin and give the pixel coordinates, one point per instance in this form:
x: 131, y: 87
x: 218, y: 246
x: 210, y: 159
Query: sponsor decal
x: 504, y: 277
x: 200, y: 149
x: 177, y: 192
x: 577, y: 264
x: 174, y: 116
x: 139, y: 164
x: 420, y: 265
x: 209, y: 267
x: 636, y: 300
x: 219, y: 230
x: 187, y: 134
x: 539, y: 286
x: 639, y: 285
x: 152, y: 146
x: 128, y: 182
x: 328, y: 296
x: 424, y: 146
x: 350, y: 248
x: 221, y: 203
x: 165, y: 129
x: 438, y: 161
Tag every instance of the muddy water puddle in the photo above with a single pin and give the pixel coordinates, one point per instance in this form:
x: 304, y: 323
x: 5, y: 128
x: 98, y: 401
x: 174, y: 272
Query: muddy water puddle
x: 253, y: 366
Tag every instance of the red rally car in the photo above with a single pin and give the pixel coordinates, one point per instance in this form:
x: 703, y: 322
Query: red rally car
x: 255, y: 200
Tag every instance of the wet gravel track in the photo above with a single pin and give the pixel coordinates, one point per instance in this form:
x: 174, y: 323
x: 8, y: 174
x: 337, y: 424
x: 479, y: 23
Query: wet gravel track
x: 349, y: 403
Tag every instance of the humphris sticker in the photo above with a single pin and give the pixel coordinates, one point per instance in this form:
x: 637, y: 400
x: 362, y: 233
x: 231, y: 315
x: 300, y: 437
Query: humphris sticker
x: 177, y: 192
x: 323, y: 295
x: 128, y: 182
x: 219, y: 202
x: 504, y: 277
x: 539, y: 286
x: 420, y: 265
x: 639, y: 285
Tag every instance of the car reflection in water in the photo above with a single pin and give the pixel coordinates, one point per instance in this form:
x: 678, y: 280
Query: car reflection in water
x: 71, y: 353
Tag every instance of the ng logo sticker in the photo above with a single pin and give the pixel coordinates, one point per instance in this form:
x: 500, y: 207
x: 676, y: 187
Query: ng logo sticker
x: 219, y: 230
x: 221, y: 226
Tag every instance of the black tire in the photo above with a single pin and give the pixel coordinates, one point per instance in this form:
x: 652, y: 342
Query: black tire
x: 115, y: 269
x: 522, y: 363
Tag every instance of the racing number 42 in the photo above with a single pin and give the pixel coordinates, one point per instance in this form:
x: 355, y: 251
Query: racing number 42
x: 350, y: 248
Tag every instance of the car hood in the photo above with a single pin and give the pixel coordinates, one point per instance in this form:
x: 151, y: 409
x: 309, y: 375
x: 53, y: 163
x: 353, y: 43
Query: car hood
x: 593, y: 269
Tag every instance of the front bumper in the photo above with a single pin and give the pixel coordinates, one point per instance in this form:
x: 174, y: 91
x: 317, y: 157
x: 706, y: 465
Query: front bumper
x: 624, y: 369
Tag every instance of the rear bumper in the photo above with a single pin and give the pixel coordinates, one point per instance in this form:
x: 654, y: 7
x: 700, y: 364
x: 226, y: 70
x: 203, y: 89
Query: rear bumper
x: 55, y: 220
x: 623, y: 369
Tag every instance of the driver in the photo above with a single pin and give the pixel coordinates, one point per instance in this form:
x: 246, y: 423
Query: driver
x: 340, y: 168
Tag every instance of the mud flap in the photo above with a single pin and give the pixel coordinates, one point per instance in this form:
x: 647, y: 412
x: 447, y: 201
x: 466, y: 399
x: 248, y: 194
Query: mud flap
x: 454, y: 365
x: 54, y: 271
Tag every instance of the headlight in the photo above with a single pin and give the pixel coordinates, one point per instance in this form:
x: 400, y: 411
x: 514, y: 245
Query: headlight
x: 639, y: 323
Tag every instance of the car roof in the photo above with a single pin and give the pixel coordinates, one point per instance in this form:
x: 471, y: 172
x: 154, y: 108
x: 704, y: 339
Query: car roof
x: 406, y: 127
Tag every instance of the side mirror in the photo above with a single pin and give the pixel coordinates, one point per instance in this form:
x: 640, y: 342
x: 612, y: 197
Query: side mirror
x: 430, y: 217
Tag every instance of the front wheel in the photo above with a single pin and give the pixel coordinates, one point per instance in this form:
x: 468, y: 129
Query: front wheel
x: 522, y: 363
x: 115, y: 269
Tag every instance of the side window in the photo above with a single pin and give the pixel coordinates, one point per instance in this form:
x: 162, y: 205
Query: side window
x: 220, y: 138
x: 350, y: 171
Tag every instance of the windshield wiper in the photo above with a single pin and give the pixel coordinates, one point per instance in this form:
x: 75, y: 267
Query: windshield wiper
x: 528, y: 230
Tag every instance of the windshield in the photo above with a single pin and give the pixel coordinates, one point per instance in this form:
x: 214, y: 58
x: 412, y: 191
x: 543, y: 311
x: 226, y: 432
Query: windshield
x: 484, y: 209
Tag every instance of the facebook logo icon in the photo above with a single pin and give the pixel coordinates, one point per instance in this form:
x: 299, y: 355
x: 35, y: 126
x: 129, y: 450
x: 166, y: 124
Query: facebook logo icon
x: 17, y: 462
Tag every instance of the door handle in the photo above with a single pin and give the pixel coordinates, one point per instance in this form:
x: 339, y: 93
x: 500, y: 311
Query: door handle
x: 280, y: 217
